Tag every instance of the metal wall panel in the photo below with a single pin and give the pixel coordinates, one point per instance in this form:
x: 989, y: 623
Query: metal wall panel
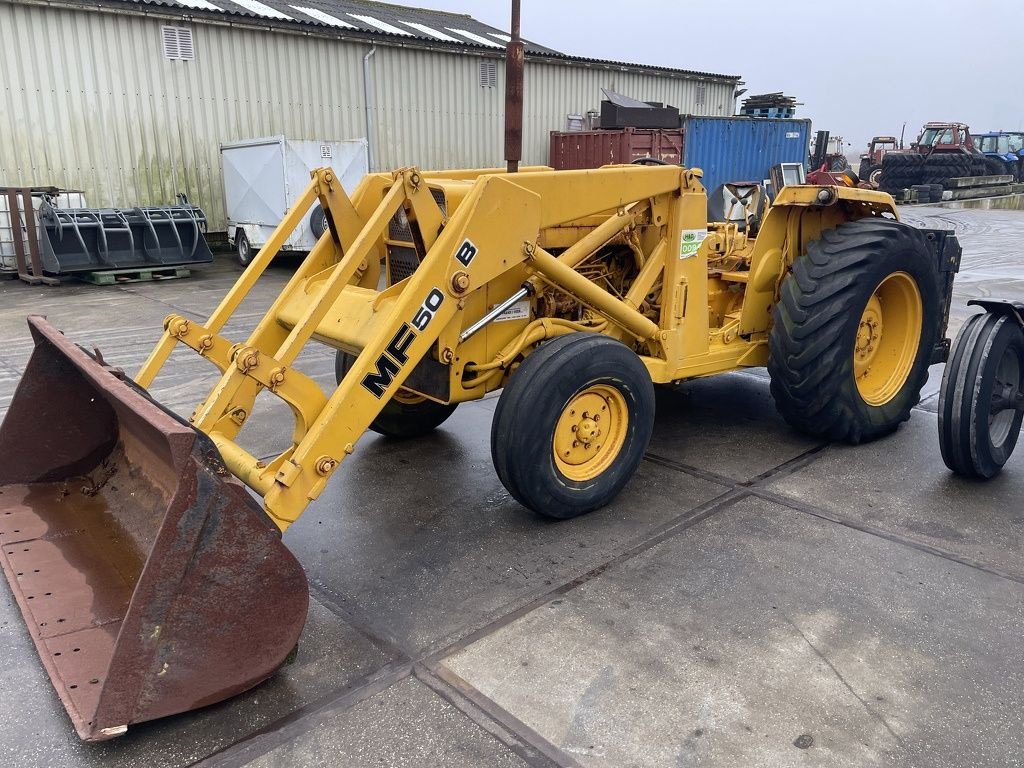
x: 742, y: 148
x: 88, y: 101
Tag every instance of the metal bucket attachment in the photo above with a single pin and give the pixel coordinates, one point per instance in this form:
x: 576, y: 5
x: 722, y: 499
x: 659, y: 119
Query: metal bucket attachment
x: 90, y: 239
x: 150, y: 580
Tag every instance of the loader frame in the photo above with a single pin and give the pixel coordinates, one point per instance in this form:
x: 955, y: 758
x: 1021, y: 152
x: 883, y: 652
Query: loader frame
x: 493, y: 253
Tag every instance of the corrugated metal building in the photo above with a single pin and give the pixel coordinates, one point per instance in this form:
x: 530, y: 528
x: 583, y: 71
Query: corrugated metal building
x: 130, y: 101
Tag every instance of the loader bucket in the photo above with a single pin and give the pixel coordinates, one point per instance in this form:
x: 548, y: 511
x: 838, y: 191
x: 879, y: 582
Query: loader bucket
x: 150, y: 580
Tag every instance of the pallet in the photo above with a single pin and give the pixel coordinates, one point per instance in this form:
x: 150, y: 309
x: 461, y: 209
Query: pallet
x: 977, y: 192
x: 115, y: 276
x: 961, y: 182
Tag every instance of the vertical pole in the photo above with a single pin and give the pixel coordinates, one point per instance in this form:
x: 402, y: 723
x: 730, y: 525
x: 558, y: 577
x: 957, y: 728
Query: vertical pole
x: 514, y: 61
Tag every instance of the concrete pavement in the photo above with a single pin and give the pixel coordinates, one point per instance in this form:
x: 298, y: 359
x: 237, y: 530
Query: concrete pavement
x: 753, y: 597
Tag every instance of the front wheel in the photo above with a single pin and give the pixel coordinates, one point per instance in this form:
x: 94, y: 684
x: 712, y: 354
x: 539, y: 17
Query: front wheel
x: 981, y: 402
x: 874, y: 175
x: 854, y: 330
x: 405, y: 415
x: 572, y: 425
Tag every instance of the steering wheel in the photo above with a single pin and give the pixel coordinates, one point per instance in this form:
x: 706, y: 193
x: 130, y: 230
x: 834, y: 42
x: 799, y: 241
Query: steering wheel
x: 649, y: 161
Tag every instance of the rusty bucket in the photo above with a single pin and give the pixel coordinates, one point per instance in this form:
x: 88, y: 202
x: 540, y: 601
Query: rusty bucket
x: 150, y: 580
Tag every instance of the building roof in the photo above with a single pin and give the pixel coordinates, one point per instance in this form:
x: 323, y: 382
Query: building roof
x: 379, y: 21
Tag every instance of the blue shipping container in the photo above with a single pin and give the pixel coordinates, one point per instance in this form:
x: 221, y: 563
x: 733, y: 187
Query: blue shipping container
x: 742, y: 148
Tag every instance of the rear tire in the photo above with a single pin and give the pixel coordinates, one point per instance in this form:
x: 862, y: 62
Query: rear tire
x: 406, y: 414
x: 551, y: 449
x: 996, y: 167
x: 977, y: 433
x: 243, y: 250
x: 853, y: 331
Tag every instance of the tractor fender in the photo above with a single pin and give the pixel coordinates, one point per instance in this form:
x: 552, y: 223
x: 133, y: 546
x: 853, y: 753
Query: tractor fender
x: 798, y: 215
x: 1011, y: 309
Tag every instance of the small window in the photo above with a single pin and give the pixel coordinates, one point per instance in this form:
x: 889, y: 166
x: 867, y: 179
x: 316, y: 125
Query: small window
x: 702, y: 94
x: 178, y: 44
x: 488, y: 74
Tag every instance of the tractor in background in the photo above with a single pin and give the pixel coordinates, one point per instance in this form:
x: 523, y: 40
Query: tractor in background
x: 871, y: 162
x: 1004, y: 147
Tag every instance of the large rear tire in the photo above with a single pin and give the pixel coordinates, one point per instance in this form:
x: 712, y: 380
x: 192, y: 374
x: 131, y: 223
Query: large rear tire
x: 572, y: 425
x: 853, y: 331
x: 406, y: 414
x: 979, y: 416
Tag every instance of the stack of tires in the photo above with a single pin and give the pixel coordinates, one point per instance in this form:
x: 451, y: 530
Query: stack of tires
x: 901, y: 171
x: 927, y: 193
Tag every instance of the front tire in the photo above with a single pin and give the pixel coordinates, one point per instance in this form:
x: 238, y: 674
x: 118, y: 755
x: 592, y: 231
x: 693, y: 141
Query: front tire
x: 979, y: 416
x: 405, y: 415
x: 572, y: 425
x: 854, y: 331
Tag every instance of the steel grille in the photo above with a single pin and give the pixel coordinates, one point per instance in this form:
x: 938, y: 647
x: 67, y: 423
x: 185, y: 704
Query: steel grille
x: 402, y: 262
x: 398, y: 227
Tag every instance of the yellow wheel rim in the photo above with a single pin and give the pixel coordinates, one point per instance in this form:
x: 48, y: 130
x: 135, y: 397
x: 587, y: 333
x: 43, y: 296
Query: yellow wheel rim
x: 888, y: 336
x: 590, y: 432
x: 406, y: 397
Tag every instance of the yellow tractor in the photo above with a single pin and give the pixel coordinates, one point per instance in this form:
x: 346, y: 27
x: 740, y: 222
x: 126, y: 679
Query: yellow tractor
x: 152, y: 582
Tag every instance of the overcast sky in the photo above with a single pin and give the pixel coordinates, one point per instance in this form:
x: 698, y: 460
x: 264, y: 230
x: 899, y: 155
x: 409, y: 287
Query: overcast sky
x: 861, y: 67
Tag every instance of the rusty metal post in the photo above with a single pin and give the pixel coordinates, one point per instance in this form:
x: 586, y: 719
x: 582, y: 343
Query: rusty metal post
x: 514, y: 61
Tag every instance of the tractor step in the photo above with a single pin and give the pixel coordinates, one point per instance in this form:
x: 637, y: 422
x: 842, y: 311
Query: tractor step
x: 114, y: 276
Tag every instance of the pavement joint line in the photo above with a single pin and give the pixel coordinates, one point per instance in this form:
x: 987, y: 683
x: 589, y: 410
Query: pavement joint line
x: 845, y: 682
x: 701, y: 474
x: 789, y: 467
x: 911, y: 543
x: 532, y: 748
x: 378, y: 636
x: 678, y: 524
x: 310, y: 716
x: 306, y: 718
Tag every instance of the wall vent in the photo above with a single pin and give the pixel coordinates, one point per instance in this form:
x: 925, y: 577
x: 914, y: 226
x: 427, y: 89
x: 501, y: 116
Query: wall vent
x: 488, y: 74
x: 178, y: 45
x: 702, y: 94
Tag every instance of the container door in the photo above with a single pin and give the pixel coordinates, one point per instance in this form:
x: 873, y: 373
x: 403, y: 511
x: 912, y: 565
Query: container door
x: 254, y: 182
x: 347, y: 158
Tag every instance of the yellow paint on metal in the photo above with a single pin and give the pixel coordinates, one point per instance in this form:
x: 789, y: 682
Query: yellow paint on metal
x: 590, y: 433
x: 888, y: 336
x: 626, y: 251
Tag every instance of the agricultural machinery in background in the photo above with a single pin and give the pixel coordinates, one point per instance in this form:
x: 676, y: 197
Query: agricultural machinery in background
x: 1005, y: 147
x: 943, y: 155
x: 871, y: 162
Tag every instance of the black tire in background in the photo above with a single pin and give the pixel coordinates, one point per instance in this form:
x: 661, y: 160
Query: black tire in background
x: 818, y: 324
x: 538, y: 403
x: 403, y: 416
x: 243, y: 250
x: 996, y: 167
x: 872, y: 173
x: 318, y: 221
x: 978, y: 427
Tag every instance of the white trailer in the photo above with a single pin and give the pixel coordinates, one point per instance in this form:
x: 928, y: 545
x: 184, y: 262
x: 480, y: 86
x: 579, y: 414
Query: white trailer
x: 263, y: 176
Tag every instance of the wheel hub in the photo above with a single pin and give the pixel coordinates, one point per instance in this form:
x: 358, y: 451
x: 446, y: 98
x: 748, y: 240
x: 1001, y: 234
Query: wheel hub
x: 590, y: 432
x: 869, y: 334
x: 887, y: 338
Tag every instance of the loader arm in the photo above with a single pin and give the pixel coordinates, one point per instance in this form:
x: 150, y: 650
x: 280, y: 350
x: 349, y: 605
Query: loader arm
x: 470, y: 251
x: 523, y: 235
